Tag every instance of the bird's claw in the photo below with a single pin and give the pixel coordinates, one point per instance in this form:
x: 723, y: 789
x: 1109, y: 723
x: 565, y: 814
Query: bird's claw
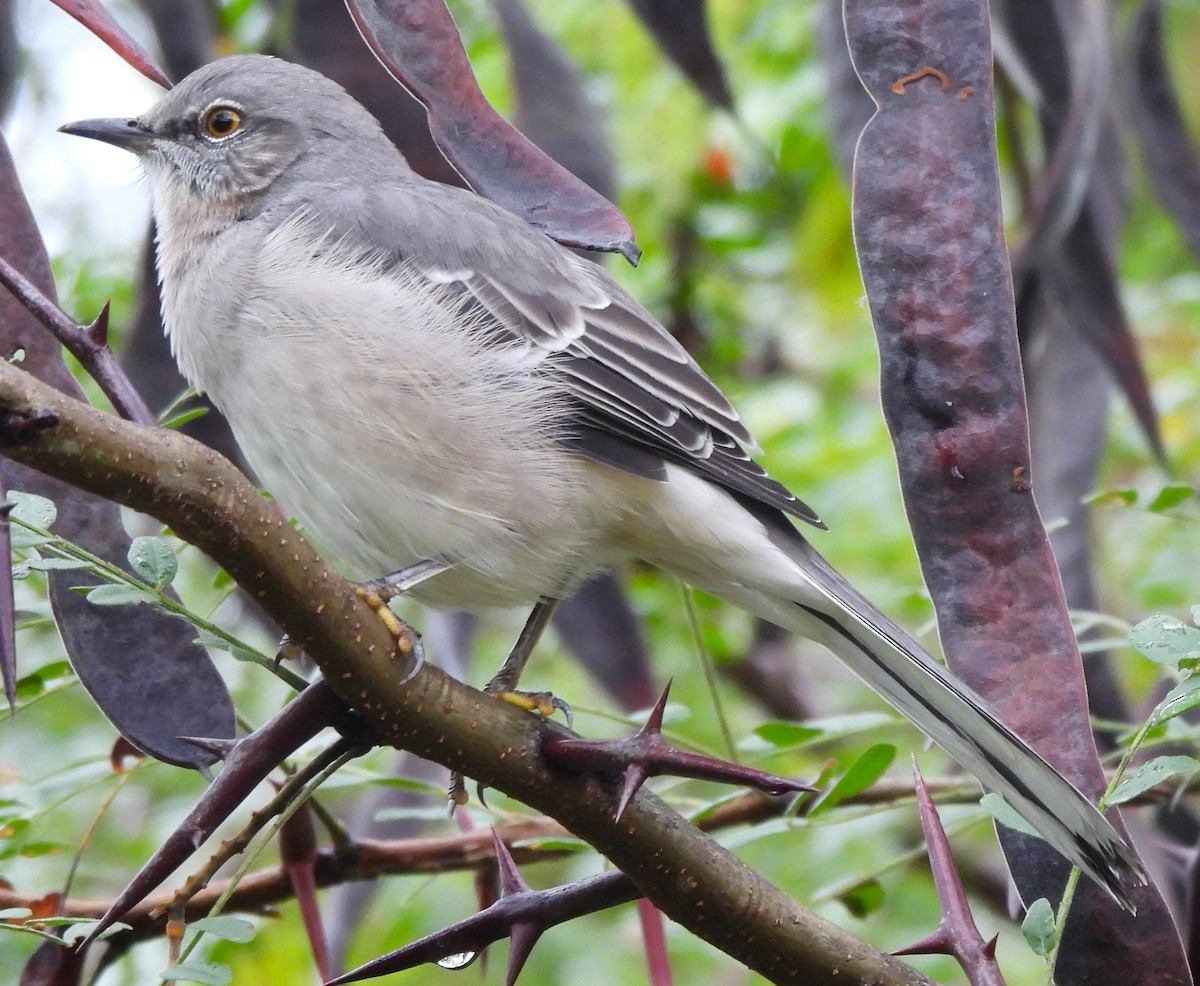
x: 544, y: 704
x: 408, y: 641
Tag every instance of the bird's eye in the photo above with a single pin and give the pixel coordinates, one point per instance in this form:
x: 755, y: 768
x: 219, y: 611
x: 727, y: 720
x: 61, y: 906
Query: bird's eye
x: 220, y: 121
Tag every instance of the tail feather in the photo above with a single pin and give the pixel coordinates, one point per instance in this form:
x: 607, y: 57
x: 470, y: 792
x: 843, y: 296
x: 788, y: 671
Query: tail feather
x: 828, y: 609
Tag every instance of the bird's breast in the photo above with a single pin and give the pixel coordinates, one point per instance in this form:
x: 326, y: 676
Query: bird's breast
x: 383, y: 416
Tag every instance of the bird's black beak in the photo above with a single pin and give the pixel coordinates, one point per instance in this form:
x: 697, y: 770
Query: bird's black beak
x: 131, y: 135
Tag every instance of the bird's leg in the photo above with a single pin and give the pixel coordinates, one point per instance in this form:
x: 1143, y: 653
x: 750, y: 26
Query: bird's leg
x: 505, y: 681
x: 377, y: 592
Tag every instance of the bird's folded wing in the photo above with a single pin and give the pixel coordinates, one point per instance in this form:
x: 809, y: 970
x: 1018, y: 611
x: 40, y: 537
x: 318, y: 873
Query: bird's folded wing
x: 642, y: 399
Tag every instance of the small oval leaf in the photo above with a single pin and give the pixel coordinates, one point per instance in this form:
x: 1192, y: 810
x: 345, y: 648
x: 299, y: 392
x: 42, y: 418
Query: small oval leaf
x: 1003, y: 813
x: 56, y: 564
x: 1182, y: 698
x: 1038, y: 927
x: 22, y: 537
x: 1166, y: 640
x: 154, y: 560
x: 226, y: 927
x: 1152, y: 774
x: 785, y: 734
x: 118, y: 595
x: 1125, y: 498
x: 29, y: 508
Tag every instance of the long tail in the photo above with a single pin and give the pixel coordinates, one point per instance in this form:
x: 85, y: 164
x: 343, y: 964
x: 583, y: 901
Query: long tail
x: 826, y: 608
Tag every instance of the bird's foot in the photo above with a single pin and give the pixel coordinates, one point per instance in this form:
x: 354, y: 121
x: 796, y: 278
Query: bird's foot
x: 544, y: 704
x: 408, y: 641
x: 377, y: 593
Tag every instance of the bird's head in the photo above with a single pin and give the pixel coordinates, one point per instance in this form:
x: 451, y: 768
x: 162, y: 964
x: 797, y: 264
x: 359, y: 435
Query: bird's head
x: 239, y: 125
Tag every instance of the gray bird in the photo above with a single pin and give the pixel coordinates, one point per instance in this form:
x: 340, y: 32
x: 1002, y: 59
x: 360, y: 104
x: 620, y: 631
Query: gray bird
x: 432, y: 386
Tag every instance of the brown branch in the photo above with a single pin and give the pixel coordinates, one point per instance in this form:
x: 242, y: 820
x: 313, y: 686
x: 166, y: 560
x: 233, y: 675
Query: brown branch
x: 210, y: 504
x: 368, y: 859
x: 363, y: 860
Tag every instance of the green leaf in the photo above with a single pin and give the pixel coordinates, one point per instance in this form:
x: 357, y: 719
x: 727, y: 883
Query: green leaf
x: 1169, y: 496
x: 1002, y: 812
x: 77, y: 930
x: 55, y: 670
x: 780, y: 735
x: 853, y: 723
x: 113, y: 929
x: 239, y: 651
x: 1038, y: 927
x: 1166, y: 640
x: 864, y: 772
x: 154, y: 560
x: 29, y: 508
x: 42, y: 848
x: 56, y: 564
x: 1151, y: 774
x: 249, y: 655
x: 118, y: 595
x: 179, y: 420
x: 29, y: 687
x: 1182, y: 698
x: 1124, y: 497
x: 23, y: 538
x: 227, y: 928
x: 33, y: 684
x: 785, y: 734
x: 209, y: 973
x: 863, y: 898
x: 560, y: 844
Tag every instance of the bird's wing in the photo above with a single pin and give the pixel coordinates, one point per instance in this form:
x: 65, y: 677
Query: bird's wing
x: 641, y: 398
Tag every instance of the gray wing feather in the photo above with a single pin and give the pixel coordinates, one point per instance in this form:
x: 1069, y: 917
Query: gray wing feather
x: 642, y: 399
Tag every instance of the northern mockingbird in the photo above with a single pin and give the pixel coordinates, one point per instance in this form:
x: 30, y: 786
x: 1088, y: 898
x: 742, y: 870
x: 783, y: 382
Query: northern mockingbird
x: 431, y: 385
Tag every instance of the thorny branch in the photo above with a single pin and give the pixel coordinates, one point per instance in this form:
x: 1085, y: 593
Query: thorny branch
x: 209, y: 503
